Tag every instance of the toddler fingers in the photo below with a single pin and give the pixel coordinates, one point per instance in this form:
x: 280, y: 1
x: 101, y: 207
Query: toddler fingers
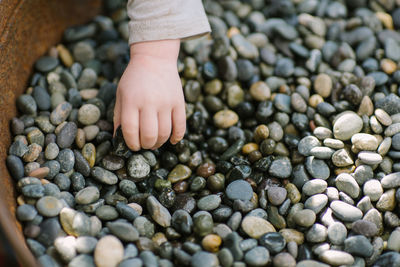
x: 164, y: 127
x: 130, y: 128
x: 178, y: 123
x: 148, y: 128
x: 117, y: 112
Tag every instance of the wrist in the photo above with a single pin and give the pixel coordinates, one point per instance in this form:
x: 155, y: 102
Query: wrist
x: 165, y: 50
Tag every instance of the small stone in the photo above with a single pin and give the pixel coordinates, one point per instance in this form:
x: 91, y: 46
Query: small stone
x: 26, y: 212
x: 225, y: 119
x: 341, y: 158
x: 393, y: 242
x: 15, y: 167
x: 106, y: 213
x: 239, y: 189
x: 104, y: 176
x: 255, y: 227
x: 391, y: 180
x: 87, y: 195
x: 346, y: 183
x: 109, y: 251
x: 306, y: 144
x: 46, y: 63
x: 317, y: 168
x: 387, y: 201
x: 305, y: 218
x: 315, y: 186
x: 65, y: 247
x: 364, y: 141
x: 388, y: 66
x: 60, y: 113
x: 258, y: 256
x: 66, y: 136
x: 49, y: 206
x: 316, y: 202
x: 292, y: 235
x: 276, y: 195
x: 179, y: 173
x: 390, y: 104
x: 369, y: 157
x: 124, y: 231
x: 87, y: 79
x: 211, y: 243
x: 75, y: 223
x: 346, y: 125
x: 209, y: 202
x: 260, y: 91
x: 33, y: 153
x: 358, y: 245
x: 337, y: 233
x: 281, y: 168
x: 202, y: 258
x: 336, y: 257
x: 345, y: 212
x: 373, y: 189
x: 88, y: 114
x: 323, y: 85
x: 158, y: 212
x: 365, y: 228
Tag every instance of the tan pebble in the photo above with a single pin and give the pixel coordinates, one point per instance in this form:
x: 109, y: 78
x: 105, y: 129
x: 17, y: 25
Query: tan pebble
x: 388, y: 66
x: 87, y: 94
x: 80, y: 138
x: 261, y: 133
x: 386, y: 19
x: 292, y: 235
x: 40, y: 172
x: 255, y: 227
x: 20, y: 200
x: 249, y: 147
x: 293, y: 193
x: 65, y: 55
x: 89, y: 153
x: 314, y: 100
x: 383, y: 117
x: 225, y: 118
x: 323, y: 85
x: 260, y: 91
x: 109, y: 252
x: 211, y: 243
x: 366, y: 107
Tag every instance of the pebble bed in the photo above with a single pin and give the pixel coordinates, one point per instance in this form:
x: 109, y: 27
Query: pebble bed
x: 291, y: 155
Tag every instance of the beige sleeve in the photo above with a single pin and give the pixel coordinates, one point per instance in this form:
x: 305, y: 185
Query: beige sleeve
x: 166, y: 19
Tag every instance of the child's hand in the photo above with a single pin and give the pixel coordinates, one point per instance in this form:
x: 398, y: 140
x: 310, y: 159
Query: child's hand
x: 149, y: 97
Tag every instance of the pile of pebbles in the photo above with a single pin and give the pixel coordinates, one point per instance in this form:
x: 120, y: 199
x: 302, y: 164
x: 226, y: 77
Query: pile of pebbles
x: 291, y: 155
